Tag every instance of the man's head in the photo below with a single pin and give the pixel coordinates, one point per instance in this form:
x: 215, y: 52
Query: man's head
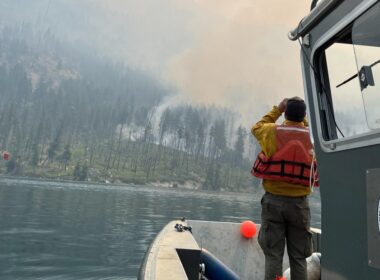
x: 295, y: 109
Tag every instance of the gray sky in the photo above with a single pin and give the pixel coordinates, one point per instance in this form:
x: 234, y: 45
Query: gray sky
x: 232, y: 53
x: 225, y: 52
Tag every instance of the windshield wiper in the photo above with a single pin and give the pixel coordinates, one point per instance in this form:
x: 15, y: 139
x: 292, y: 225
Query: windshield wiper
x: 366, y: 77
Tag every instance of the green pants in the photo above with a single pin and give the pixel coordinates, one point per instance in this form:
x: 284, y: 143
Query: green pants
x: 285, y: 219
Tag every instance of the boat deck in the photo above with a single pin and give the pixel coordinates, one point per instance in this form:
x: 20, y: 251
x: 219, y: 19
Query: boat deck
x: 176, y: 254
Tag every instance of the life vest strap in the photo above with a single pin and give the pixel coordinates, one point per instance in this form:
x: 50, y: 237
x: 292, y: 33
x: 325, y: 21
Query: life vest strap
x: 289, y: 175
x: 282, y: 162
x: 282, y: 173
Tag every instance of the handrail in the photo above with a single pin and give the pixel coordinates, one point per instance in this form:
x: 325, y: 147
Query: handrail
x: 308, y: 22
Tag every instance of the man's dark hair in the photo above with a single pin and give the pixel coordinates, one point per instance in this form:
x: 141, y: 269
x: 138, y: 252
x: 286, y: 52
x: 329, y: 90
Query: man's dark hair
x: 295, y: 110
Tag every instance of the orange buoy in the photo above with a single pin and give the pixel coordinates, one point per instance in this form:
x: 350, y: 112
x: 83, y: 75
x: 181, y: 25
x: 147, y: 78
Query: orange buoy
x: 280, y: 278
x: 5, y: 155
x: 248, y: 229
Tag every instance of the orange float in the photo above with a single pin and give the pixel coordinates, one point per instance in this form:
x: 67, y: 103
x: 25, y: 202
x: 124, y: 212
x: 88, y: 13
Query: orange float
x: 6, y: 155
x: 248, y: 229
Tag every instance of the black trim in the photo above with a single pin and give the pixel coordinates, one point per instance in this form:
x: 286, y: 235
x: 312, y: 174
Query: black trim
x: 282, y: 167
x: 303, y: 168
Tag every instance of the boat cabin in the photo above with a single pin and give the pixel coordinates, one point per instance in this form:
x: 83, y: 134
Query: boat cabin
x: 340, y: 55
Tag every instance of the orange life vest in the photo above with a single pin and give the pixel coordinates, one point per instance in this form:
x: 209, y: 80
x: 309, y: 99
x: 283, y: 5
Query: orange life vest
x: 292, y: 162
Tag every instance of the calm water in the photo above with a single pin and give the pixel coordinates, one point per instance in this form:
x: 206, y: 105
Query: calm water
x: 51, y: 230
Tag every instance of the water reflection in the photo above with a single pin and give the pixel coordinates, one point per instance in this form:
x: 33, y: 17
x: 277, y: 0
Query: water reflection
x: 74, y: 231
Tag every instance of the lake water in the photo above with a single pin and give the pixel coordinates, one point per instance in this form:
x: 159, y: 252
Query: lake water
x: 54, y: 230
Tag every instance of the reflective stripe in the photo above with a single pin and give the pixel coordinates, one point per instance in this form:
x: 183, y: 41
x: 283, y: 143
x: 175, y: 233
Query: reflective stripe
x: 292, y: 128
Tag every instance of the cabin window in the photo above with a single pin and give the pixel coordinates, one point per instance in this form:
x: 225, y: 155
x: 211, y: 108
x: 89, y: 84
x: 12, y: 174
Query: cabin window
x: 349, y: 112
x: 366, y: 42
x: 350, y: 80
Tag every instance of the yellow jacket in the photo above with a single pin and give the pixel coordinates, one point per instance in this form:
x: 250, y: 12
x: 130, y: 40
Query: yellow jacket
x: 265, y: 133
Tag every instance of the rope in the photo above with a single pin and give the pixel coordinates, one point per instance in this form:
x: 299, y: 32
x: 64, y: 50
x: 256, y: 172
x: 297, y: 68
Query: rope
x: 312, y: 178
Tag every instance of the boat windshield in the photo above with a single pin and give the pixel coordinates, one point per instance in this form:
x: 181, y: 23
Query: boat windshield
x: 355, y: 84
x: 366, y: 42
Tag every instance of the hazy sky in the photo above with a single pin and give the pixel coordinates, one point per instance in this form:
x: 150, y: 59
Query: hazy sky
x: 232, y: 53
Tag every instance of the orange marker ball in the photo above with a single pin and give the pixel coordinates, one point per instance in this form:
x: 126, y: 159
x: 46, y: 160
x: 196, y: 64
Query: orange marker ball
x: 5, y: 155
x: 248, y: 229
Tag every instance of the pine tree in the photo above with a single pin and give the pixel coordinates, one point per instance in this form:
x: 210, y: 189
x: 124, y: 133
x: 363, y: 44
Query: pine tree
x: 66, y: 156
x: 239, y: 145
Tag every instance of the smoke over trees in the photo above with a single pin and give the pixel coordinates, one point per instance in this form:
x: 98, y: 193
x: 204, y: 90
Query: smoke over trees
x: 71, y: 116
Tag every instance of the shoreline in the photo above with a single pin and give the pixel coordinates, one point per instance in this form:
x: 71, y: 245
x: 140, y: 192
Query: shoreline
x: 174, y: 185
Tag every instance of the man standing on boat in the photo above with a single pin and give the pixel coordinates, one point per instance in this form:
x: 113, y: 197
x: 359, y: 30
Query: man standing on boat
x: 286, y: 166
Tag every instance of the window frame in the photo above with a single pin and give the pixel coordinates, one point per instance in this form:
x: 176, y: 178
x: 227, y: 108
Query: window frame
x: 319, y: 63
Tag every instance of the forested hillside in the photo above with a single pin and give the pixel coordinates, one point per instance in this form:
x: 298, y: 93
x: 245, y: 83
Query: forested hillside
x: 68, y: 114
